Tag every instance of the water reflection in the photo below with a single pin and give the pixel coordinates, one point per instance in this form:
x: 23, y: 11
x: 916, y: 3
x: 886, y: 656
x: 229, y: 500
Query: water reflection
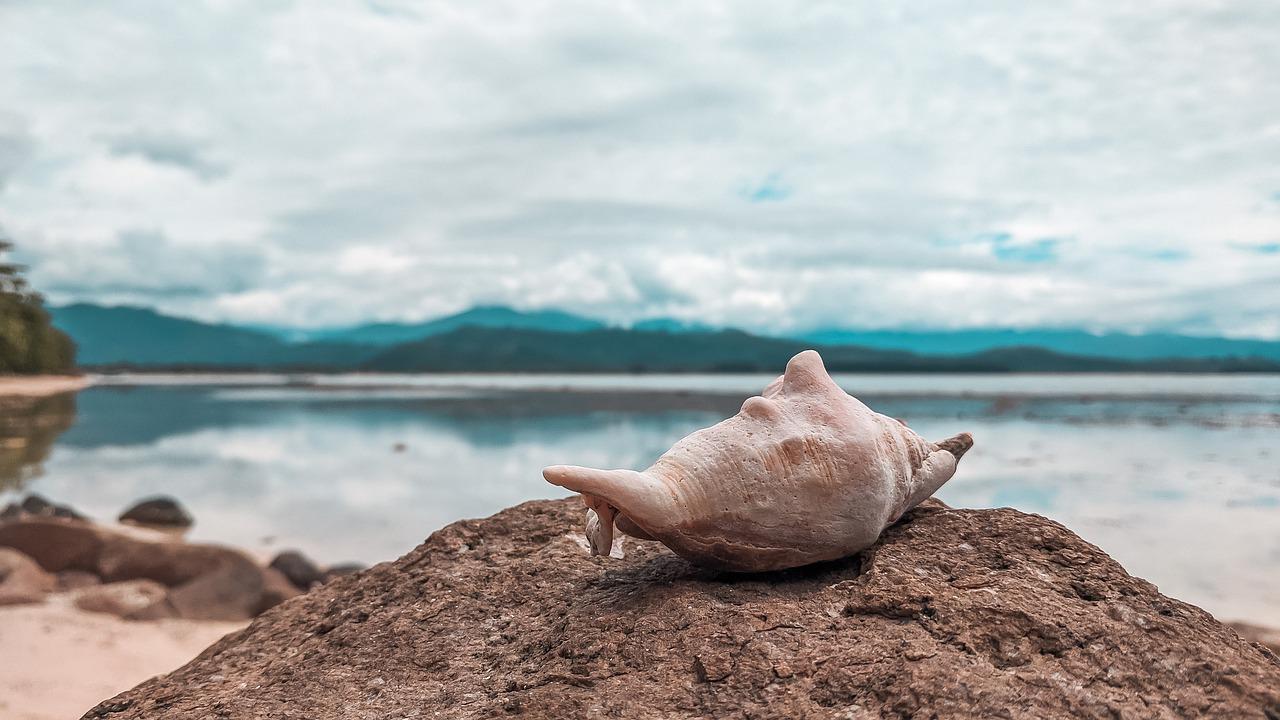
x: 1181, y: 490
x: 28, y: 427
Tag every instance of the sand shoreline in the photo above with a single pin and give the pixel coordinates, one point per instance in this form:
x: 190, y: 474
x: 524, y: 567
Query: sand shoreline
x: 89, y: 609
x: 41, y: 385
x: 57, y: 661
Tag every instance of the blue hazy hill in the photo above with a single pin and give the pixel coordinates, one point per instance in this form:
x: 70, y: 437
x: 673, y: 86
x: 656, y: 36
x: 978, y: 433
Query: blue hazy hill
x: 135, y: 336
x: 1070, y: 342
x: 486, y: 316
x: 671, y: 325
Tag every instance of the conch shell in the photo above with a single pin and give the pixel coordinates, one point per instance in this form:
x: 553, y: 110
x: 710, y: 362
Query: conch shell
x: 803, y: 473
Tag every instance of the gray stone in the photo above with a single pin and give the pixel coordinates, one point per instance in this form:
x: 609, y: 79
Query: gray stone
x: 158, y: 511
x: 298, y: 568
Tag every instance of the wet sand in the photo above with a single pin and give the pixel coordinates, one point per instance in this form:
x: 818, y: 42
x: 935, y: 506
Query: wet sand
x: 56, y: 661
x: 41, y: 385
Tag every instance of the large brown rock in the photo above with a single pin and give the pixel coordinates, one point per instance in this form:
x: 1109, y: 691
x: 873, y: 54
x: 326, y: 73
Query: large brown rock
x: 206, y: 582
x: 57, y: 544
x: 22, y: 580
x: 953, y: 614
x: 233, y: 587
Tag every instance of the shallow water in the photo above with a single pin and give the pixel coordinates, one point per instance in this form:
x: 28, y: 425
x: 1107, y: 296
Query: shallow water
x: 1178, y: 477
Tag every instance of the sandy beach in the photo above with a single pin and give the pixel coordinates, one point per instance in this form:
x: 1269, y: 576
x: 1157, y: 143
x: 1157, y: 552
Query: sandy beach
x: 41, y: 385
x: 56, y: 661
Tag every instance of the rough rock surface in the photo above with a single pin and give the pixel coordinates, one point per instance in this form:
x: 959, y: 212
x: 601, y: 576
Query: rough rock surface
x: 953, y: 613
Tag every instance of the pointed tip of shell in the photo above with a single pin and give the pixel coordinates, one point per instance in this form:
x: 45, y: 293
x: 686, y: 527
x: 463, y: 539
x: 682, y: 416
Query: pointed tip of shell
x: 805, y: 361
x: 806, y: 371
x: 636, y: 493
x: 957, y: 445
x: 557, y: 474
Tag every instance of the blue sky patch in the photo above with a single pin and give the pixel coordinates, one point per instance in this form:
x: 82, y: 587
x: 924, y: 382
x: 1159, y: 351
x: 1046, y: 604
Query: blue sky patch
x: 771, y: 189
x: 1267, y: 248
x: 1169, y: 255
x: 1040, y: 250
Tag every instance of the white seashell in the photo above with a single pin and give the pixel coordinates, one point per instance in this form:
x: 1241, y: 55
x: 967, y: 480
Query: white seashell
x: 803, y: 473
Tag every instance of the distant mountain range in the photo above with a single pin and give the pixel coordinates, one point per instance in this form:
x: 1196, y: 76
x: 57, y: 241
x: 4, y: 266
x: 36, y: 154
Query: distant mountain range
x: 472, y: 349
x: 500, y: 339
x: 485, y: 316
x: 130, y: 336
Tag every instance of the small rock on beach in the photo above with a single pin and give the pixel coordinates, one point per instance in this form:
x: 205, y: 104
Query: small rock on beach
x: 158, y: 511
x: 298, y: 568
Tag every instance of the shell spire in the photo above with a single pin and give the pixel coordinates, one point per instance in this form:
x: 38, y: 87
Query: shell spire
x: 803, y: 473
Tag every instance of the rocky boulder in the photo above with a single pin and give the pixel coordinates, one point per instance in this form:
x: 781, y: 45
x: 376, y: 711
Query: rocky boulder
x: 132, y: 599
x: 54, y: 543
x: 954, y: 613
x: 37, y: 506
x: 22, y: 580
x: 34, y: 504
x: 276, y: 588
x: 205, y: 582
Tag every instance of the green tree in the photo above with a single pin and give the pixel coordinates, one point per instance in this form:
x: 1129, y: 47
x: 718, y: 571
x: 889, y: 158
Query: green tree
x: 29, y: 343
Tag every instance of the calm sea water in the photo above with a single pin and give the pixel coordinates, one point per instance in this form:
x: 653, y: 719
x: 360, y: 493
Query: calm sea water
x: 1178, y: 477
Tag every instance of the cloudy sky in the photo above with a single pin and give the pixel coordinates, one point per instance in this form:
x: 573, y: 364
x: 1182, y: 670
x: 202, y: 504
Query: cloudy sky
x: 773, y: 165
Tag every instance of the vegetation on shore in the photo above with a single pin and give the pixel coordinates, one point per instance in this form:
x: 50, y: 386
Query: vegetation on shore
x: 29, y: 344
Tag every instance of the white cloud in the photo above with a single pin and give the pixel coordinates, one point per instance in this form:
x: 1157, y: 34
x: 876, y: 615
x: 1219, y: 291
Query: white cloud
x: 774, y: 166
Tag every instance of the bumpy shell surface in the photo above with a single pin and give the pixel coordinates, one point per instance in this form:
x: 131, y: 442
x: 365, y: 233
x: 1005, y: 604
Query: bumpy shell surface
x: 803, y: 473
